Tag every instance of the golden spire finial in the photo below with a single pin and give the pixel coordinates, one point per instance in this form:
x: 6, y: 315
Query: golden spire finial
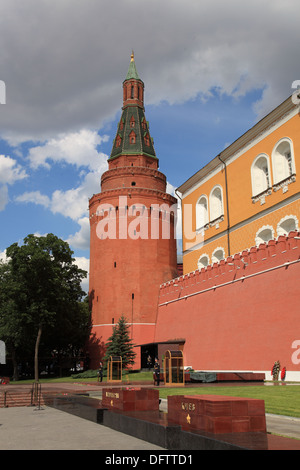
x: 132, y: 56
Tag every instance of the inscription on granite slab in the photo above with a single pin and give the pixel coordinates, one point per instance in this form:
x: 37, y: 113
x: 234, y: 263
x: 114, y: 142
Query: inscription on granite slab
x: 217, y: 414
x: 131, y: 399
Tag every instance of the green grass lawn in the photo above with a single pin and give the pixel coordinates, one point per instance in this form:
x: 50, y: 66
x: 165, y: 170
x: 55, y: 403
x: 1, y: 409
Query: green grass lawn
x: 88, y: 378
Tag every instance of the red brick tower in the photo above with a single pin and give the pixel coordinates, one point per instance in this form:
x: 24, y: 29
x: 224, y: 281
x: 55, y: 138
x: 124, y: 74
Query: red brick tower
x: 132, y: 239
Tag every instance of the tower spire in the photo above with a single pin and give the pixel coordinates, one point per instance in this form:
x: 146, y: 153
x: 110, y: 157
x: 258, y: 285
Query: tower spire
x: 133, y: 134
x: 132, y: 71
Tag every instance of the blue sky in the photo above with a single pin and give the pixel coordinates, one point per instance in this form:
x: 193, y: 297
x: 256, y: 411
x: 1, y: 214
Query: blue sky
x: 211, y: 69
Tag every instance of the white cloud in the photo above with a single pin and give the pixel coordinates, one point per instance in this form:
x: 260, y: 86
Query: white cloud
x: 73, y: 203
x: 70, y: 203
x: 35, y: 197
x: 84, y: 263
x: 3, y: 256
x: 10, y: 170
x: 76, y: 148
x: 80, y: 149
x: 81, y: 239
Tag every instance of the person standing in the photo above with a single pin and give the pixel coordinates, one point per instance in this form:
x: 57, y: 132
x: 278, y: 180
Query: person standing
x: 149, y: 361
x: 100, y: 372
x: 276, y: 370
x: 157, y: 371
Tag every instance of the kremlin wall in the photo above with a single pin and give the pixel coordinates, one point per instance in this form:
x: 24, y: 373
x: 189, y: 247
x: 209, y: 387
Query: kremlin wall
x: 238, y: 314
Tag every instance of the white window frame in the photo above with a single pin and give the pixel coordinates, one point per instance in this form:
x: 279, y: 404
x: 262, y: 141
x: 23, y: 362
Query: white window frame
x: 204, y: 255
x: 277, y: 178
x: 281, y: 230
x: 256, y: 191
x: 258, y: 241
x: 201, y: 224
x: 215, y: 259
x: 216, y: 216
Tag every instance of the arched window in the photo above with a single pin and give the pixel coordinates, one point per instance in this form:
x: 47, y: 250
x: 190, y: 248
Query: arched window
x: 283, y: 160
x: 132, y: 122
x: 144, y: 124
x: 287, y: 225
x: 260, y: 175
x: 264, y: 234
x: 147, y: 139
x: 203, y: 261
x: 216, y: 203
x: 217, y: 255
x: 132, y: 137
x: 201, y: 212
x: 118, y: 141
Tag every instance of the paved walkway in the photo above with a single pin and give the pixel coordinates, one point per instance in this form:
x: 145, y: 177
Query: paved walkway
x: 30, y: 428
x: 46, y: 428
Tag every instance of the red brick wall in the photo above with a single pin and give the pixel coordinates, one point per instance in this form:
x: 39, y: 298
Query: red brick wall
x: 241, y: 317
x: 143, y: 177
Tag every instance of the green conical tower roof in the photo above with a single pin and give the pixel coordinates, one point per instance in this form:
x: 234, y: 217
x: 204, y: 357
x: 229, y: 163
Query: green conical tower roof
x: 132, y: 71
x: 133, y: 135
x: 133, y: 139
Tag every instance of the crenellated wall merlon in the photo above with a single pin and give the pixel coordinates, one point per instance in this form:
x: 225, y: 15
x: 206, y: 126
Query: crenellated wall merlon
x: 275, y: 253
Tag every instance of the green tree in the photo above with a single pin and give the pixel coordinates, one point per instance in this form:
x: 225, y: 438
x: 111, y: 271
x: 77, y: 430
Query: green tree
x: 120, y: 344
x: 13, y: 320
x: 47, y: 288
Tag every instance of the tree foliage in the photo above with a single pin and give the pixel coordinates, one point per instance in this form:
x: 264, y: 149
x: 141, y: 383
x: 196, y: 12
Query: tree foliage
x: 120, y: 344
x: 41, y: 296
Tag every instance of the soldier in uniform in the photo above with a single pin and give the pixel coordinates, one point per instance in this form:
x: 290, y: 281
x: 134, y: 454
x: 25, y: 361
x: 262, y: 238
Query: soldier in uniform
x: 157, y: 371
x: 100, y: 372
x: 276, y: 370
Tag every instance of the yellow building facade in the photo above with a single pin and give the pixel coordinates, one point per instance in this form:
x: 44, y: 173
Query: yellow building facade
x: 246, y: 195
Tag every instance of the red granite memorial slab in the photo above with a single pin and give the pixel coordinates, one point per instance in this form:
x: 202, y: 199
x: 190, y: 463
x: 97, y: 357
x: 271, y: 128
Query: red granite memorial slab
x: 217, y: 414
x: 130, y: 399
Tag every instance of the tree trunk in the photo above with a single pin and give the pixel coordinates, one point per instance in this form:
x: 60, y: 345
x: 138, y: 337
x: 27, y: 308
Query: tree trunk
x: 36, y: 354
